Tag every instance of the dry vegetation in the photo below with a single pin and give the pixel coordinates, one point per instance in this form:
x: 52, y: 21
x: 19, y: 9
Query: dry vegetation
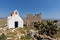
x: 17, y: 33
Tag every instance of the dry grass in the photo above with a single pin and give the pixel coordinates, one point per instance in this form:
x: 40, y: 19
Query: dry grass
x: 3, y: 21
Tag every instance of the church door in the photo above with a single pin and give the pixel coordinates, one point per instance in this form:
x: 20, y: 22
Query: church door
x: 16, y: 24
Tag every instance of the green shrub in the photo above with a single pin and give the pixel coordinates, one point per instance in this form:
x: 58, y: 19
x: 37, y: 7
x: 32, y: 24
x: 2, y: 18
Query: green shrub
x: 26, y: 37
x: 3, y: 37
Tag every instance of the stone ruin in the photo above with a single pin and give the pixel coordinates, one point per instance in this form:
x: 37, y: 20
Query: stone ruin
x: 30, y: 19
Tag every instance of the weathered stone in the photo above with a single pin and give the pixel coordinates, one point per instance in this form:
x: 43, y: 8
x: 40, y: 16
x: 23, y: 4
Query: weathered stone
x: 32, y: 33
x: 30, y: 19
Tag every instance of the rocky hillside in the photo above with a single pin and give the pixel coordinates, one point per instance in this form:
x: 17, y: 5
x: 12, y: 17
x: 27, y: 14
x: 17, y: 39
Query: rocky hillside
x: 22, y: 33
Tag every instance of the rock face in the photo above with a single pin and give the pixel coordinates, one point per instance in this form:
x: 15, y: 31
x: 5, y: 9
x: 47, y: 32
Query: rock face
x: 30, y: 19
x: 32, y: 33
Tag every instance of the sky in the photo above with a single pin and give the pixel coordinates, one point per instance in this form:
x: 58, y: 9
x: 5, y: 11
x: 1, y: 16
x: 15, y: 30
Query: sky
x: 49, y: 9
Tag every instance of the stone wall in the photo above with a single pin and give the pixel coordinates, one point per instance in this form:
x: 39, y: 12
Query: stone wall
x: 30, y: 19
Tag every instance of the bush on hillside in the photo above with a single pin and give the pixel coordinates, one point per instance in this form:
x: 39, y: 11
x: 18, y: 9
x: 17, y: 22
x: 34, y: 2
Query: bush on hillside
x: 3, y: 37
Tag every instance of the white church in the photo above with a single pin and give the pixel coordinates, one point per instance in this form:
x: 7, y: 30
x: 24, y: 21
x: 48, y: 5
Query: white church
x: 14, y: 20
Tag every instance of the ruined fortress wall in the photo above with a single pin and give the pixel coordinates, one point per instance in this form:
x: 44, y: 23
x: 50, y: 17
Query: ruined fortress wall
x: 30, y: 19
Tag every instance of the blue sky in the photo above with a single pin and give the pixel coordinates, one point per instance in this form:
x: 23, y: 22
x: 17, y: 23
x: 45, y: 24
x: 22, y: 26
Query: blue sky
x: 50, y: 9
